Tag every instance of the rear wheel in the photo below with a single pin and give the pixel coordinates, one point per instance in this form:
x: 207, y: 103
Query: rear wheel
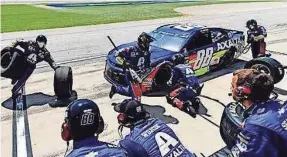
x: 63, y: 82
x: 269, y: 66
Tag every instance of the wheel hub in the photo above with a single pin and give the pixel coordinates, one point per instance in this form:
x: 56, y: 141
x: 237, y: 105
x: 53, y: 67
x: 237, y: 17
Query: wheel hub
x: 261, y: 68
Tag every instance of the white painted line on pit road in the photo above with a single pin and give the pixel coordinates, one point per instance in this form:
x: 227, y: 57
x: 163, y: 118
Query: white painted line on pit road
x: 21, y: 135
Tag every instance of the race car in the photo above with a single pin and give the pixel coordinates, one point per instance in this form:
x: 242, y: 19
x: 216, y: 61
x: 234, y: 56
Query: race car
x: 204, y: 48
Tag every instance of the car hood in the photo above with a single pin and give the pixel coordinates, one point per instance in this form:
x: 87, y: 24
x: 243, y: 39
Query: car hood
x: 157, y: 54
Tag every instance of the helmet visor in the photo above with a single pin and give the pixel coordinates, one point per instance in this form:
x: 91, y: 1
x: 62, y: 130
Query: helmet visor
x: 41, y: 44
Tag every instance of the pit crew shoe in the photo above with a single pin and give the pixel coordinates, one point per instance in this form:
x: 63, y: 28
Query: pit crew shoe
x: 189, y: 109
x: 13, y: 81
x: 112, y: 92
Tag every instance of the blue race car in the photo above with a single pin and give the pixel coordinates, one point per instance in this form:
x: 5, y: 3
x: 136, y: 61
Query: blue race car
x: 203, y: 48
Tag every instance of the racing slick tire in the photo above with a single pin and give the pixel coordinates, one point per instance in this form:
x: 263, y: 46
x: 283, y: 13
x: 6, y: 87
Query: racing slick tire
x: 231, y: 123
x: 267, y: 65
x: 228, y: 58
x: 63, y: 82
x: 13, y: 63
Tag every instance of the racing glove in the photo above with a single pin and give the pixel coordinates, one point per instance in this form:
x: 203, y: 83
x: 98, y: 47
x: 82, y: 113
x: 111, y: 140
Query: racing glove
x: 126, y: 65
x: 250, y: 39
x: 54, y: 65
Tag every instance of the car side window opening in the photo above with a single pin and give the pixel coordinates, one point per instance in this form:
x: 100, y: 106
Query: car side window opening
x: 218, y: 35
x: 201, y: 39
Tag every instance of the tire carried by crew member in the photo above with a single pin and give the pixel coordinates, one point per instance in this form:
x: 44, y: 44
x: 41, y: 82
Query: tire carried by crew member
x: 63, y: 82
x: 12, y: 63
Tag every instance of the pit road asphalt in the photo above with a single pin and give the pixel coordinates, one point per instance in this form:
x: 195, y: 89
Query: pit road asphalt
x: 65, y: 44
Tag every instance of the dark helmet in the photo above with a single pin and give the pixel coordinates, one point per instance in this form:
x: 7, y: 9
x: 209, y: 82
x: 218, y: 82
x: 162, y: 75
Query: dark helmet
x: 41, y: 41
x: 251, y: 22
x: 131, y: 111
x: 144, y: 41
x: 178, y: 59
x: 82, y: 120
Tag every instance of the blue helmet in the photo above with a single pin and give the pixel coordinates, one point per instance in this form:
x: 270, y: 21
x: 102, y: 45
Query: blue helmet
x: 82, y: 120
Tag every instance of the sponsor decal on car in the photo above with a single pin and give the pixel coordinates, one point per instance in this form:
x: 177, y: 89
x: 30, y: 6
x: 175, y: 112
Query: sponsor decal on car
x: 284, y: 124
x: 227, y: 44
x: 147, y: 82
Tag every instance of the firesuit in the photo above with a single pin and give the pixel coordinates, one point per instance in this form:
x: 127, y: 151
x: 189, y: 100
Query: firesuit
x: 264, y: 131
x: 91, y: 147
x: 34, y: 55
x: 148, y: 137
x: 255, y: 36
x: 138, y: 63
x: 188, y: 91
x: 135, y: 61
x: 152, y: 137
x: 82, y: 122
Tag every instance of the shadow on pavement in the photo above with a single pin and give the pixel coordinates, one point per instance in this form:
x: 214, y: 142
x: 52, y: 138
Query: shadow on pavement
x: 158, y: 111
x: 41, y: 99
x: 213, y: 99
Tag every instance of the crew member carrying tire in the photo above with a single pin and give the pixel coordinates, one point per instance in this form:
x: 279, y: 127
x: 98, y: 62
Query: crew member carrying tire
x: 255, y: 36
x: 264, y: 131
x: 34, y: 52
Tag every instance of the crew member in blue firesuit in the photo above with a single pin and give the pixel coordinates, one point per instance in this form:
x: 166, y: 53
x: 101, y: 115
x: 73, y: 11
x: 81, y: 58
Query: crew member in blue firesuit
x: 135, y: 61
x: 35, y: 52
x: 82, y: 121
x: 264, y: 131
x: 185, y: 96
x: 255, y: 36
x: 148, y: 137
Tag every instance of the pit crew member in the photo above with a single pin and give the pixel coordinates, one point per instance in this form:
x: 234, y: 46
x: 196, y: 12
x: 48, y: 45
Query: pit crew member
x: 82, y: 121
x: 264, y: 131
x: 136, y: 62
x: 35, y: 52
x: 255, y: 36
x: 185, y: 96
x: 148, y: 137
